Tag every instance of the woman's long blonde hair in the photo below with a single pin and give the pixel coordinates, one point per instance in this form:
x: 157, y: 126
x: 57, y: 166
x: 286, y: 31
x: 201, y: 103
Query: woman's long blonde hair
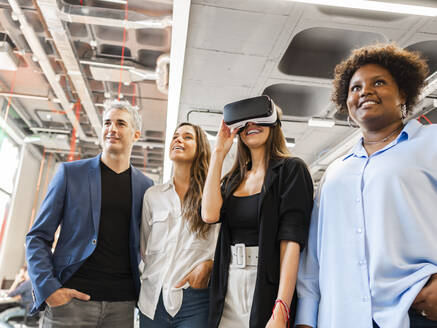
x: 276, y: 148
x: 199, y: 170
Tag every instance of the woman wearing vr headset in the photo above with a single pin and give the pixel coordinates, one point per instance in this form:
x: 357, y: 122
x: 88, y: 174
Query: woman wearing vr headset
x: 372, y: 253
x: 264, y: 205
x: 177, y: 247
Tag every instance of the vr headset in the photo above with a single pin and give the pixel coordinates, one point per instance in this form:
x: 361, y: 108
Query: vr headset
x: 258, y: 110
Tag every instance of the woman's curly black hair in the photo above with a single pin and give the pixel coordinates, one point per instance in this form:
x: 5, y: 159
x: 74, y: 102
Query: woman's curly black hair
x: 408, y: 69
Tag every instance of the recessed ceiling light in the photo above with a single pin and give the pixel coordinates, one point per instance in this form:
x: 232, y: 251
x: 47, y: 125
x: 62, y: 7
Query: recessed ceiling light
x: 321, y: 122
x: 376, y: 6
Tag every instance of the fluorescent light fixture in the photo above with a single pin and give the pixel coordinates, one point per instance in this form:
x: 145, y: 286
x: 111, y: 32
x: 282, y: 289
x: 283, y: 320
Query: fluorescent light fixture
x: 376, y: 6
x: 290, y: 144
x: 321, y: 122
x: 35, y: 129
x: 122, y: 2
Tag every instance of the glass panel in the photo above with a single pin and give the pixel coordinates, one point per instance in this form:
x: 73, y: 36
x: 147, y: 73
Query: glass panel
x: 9, y: 160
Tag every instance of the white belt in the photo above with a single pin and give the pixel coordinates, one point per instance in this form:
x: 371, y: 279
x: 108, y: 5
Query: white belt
x: 243, y: 256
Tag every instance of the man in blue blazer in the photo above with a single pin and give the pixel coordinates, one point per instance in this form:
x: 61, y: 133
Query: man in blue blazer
x: 91, y: 278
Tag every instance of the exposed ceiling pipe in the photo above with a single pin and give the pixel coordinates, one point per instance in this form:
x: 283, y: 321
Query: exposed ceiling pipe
x: 44, y: 62
x: 24, y: 96
x: 108, y: 17
x: 67, y: 52
x: 162, y: 64
x: 49, y: 130
x: 170, y: 2
x: 104, y: 71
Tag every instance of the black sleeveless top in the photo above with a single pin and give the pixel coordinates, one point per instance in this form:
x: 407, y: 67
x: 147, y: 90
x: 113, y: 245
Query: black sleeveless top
x: 242, y: 215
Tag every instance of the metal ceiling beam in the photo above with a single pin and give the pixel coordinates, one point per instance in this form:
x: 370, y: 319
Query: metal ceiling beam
x: 109, y: 17
x: 44, y: 62
x: 50, y: 11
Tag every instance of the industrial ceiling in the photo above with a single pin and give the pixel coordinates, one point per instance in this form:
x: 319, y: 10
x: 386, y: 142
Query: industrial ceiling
x: 55, y: 54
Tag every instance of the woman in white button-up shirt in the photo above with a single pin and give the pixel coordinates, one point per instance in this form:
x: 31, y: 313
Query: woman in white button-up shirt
x: 177, y: 247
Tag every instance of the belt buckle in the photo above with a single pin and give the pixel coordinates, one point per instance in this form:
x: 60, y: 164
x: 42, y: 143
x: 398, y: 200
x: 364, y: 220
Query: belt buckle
x: 240, y: 252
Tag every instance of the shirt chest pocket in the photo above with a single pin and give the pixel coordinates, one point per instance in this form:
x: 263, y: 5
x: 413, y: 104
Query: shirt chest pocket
x: 158, y: 233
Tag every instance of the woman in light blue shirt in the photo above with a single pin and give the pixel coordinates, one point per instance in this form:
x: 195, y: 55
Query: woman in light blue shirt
x: 372, y: 255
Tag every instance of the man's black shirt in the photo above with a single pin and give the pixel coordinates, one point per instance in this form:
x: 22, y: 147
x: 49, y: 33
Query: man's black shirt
x: 106, y: 275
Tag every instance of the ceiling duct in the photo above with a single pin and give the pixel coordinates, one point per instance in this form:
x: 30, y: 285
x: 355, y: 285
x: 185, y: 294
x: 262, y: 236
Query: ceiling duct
x: 44, y: 62
x: 108, y: 17
x: 50, y: 141
x: 49, y: 9
x: 107, y: 71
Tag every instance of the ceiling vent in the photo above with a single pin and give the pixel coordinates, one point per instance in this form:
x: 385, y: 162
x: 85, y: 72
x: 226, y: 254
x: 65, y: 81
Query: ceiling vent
x: 315, y: 52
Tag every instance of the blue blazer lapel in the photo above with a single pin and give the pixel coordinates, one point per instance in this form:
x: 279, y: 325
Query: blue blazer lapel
x: 137, y: 194
x: 95, y: 182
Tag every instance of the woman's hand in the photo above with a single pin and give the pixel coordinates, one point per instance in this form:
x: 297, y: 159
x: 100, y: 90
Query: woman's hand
x: 426, y: 300
x: 225, y: 138
x: 198, y: 278
x: 278, y: 318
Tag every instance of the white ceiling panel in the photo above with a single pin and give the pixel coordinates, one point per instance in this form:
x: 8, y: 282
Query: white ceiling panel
x: 227, y: 30
x: 222, y: 68
x: 235, y: 47
x: 211, y: 96
x: 275, y: 7
x: 430, y: 27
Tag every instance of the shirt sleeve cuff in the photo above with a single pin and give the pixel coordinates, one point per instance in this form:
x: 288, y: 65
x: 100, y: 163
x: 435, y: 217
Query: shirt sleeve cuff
x: 307, y: 310
x: 43, y: 292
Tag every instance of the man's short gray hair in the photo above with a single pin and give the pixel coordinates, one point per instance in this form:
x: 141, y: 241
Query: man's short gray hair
x: 111, y: 104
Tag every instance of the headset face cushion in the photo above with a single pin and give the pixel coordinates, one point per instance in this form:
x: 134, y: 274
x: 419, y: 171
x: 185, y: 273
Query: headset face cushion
x: 259, y: 110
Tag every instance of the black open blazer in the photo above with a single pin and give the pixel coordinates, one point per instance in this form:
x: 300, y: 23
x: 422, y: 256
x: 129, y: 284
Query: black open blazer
x: 284, y: 211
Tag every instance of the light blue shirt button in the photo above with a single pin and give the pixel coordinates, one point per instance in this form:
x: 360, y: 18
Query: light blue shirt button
x: 362, y: 262
x: 359, y: 230
x: 365, y: 298
x: 357, y: 199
